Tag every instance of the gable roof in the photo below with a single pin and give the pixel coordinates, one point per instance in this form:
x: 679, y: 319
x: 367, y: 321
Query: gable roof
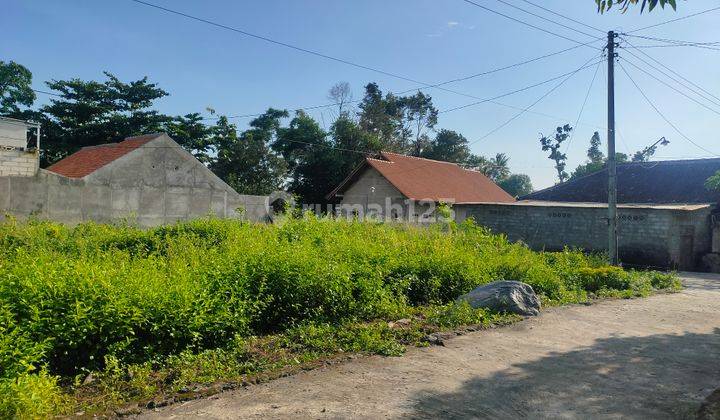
x: 425, y: 179
x: 89, y: 159
x: 673, y: 181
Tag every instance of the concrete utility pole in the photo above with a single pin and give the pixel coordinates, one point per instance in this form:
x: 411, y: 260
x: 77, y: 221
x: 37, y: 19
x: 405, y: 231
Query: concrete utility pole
x: 612, y: 169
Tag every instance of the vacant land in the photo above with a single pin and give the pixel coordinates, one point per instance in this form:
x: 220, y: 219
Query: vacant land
x: 651, y: 358
x: 96, y: 317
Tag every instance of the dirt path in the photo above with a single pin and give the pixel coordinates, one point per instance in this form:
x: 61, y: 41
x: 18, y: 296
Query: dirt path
x: 648, y: 358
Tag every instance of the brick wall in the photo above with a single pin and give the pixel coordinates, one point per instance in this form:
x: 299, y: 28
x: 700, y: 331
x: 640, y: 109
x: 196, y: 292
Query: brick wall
x: 664, y: 236
x: 15, y: 162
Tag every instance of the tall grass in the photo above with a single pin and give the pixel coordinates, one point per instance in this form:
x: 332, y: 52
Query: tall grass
x: 72, y: 299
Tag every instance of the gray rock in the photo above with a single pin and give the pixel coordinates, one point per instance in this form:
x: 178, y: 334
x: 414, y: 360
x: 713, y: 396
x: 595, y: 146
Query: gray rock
x: 504, y: 296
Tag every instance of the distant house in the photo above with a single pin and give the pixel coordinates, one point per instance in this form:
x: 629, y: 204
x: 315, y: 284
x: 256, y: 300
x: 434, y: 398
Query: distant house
x: 666, y: 182
x: 147, y: 179
x: 666, y: 216
x: 396, y: 186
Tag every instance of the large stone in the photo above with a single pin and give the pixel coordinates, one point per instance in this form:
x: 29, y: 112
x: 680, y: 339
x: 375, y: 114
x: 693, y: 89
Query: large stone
x: 504, y: 296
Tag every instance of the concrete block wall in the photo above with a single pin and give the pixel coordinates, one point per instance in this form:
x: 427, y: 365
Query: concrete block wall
x: 654, y: 236
x: 50, y: 196
x: 17, y: 162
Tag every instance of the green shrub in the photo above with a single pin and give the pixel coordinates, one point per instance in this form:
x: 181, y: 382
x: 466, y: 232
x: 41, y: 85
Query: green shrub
x: 102, y: 298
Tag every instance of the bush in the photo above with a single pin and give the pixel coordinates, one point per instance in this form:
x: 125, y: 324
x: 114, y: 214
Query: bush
x: 102, y: 298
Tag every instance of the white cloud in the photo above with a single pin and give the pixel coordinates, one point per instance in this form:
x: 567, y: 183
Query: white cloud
x: 452, y: 23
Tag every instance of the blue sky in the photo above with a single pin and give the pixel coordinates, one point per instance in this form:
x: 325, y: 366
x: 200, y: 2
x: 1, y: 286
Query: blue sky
x: 432, y: 41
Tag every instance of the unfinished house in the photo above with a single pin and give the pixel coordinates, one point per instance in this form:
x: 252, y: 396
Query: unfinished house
x: 149, y: 180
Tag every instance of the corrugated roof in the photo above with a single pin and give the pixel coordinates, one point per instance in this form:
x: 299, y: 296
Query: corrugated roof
x: 672, y: 181
x: 538, y: 203
x: 89, y: 159
x: 425, y: 179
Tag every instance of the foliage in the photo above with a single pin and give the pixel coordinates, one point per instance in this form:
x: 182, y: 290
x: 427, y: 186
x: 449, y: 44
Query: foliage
x: 713, y: 182
x: 178, y: 299
x: 15, y: 88
x: 604, y: 5
x: 448, y: 146
x: 516, y: 185
x: 246, y: 161
x: 553, y: 145
x: 597, y: 160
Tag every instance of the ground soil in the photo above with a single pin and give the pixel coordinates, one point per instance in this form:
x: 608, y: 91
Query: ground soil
x: 655, y: 358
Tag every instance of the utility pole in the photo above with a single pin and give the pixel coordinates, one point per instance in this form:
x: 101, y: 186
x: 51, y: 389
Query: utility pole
x: 612, y: 169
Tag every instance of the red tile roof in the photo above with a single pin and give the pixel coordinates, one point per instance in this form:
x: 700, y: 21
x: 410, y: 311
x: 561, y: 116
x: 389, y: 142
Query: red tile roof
x: 89, y: 159
x: 425, y: 179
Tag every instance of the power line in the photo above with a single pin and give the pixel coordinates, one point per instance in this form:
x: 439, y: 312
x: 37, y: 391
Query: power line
x: 563, y: 16
x: 716, y: 103
x: 523, y: 111
x: 435, y: 85
x: 672, y: 41
x: 650, y: 102
x: 675, y: 20
x: 481, y: 101
x: 545, y: 19
x: 671, y: 87
x: 673, y: 71
x: 520, y: 21
x: 582, y: 108
x: 276, y: 42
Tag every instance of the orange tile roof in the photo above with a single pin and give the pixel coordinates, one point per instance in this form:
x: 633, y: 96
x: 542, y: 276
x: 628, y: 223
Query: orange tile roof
x: 89, y: 159
x: 425, y: 179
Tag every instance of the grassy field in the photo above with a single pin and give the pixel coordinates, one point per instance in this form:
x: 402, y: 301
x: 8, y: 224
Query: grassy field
x: 96, y: 316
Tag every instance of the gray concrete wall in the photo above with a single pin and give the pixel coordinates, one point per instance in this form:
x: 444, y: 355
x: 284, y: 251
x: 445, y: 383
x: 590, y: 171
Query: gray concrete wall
x: 17, y: 162
x: 662, y: 237
x: 156, y: 184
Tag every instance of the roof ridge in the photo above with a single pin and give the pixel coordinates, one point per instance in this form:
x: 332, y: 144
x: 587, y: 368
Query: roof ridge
x: 420, y: 158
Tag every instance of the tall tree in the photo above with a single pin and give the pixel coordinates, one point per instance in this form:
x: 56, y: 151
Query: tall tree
x: 246, y: 161
x: 194, y: 135
x: 341, y: 95
x: 89, y: 113
x: 381, y: 116
x: 15, y: 88
x: 553, y: 144
x: 516, y: 185
x: 496, y: 168
x: 419, y: 115
x: 448, y: 146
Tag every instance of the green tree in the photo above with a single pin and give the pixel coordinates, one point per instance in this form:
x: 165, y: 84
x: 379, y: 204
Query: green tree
x: 89, y: 113
x: 713, y: 182
x: 448, y: 146
x: 553, y: 145
x: 604, y: 5
x: 419, y: 115
x: 15, y: 88
x: 516, y: 185
x: 496, y: 168
x: 246, y: 161
x: 192, y: 134
x: 381, y: 116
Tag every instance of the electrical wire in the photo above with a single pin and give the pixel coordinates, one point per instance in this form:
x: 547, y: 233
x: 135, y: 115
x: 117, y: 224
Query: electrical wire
x: 545, y: 19
x: 481, y: 101
x: 674, y: 72
x: 664, y: 73
x: 650, y: 102
x: 520, y: 21
x: 671, y: 87
x: 523, y: 111
x: 582, y: 108
x: 675, y: 20
x: 563, y: 16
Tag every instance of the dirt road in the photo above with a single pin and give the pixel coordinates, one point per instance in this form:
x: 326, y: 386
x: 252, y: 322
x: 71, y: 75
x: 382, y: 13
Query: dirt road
x: 648, y: 358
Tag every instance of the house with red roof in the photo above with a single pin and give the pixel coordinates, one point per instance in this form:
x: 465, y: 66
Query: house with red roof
x: 146, y: 179
x: 399, y: 187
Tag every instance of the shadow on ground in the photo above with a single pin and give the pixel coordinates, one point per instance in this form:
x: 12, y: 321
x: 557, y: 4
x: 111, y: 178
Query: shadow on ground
x: 660, y: 376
